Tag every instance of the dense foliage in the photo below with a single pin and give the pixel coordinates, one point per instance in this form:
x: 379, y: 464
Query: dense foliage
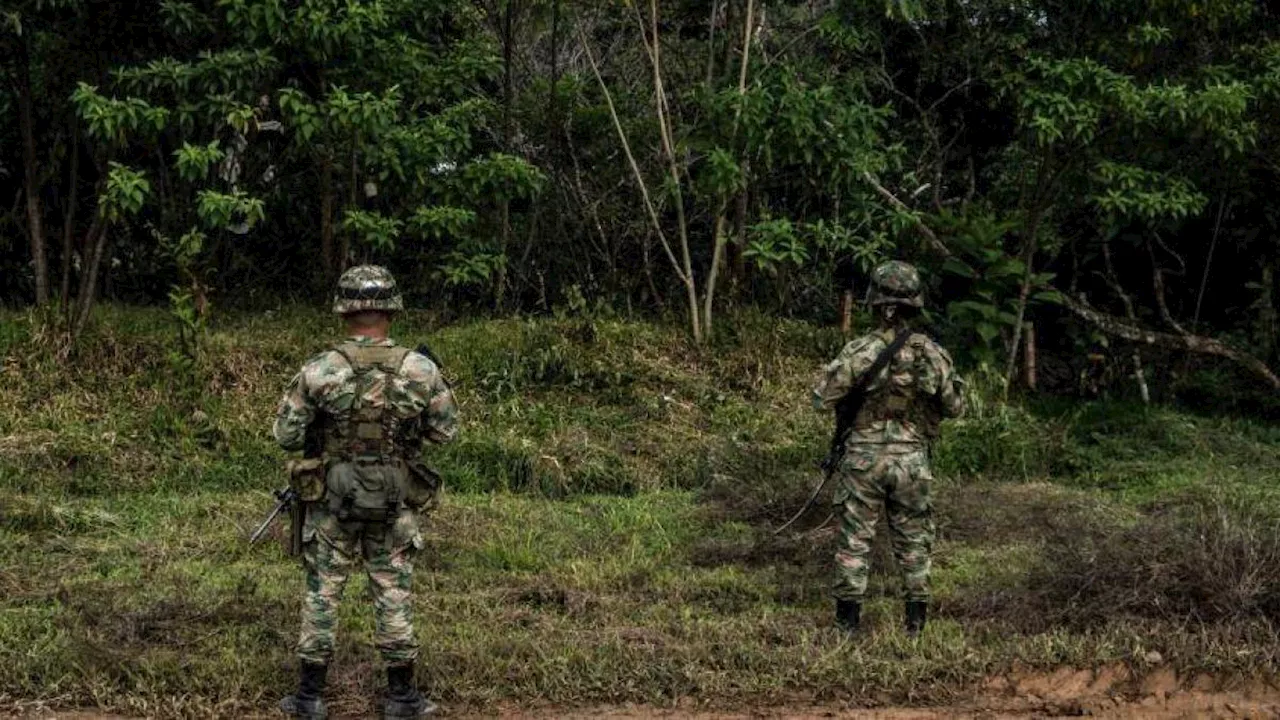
x: 1071, y: 172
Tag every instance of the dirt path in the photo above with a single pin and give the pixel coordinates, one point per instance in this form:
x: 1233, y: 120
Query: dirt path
x: 1109, y: 692
x: 1182, y: 705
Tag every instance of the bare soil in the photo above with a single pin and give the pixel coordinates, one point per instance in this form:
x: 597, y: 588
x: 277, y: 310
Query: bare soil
x: 1109, y: 692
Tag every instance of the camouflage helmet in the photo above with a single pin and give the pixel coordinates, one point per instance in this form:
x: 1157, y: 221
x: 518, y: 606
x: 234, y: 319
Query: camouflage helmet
x: 895, y: 282
x: 367, y: 287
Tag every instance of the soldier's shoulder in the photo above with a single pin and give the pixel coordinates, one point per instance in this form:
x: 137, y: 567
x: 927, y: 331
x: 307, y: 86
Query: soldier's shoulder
x: 325, y: 362
x: 417, y: 366
x: 920, y: 338
x: 864, y: 342
x: 931, y: 347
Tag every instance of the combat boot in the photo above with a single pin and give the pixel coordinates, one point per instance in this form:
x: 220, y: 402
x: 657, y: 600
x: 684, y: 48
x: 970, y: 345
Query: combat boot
x: 403, y: 699
x: 848, y: 615
x: 917, y: 614
x: 307, y: 703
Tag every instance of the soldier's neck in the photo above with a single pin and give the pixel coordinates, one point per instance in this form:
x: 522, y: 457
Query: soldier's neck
x: 372, y: 332
x: 894, y: 325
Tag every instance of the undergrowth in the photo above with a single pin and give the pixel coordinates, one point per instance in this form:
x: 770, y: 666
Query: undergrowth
x: 607, y: 536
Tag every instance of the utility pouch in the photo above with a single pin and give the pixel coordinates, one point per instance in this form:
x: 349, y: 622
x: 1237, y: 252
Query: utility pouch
x: 366, y: 492
x: 307, y: 478
x: 423, y: 489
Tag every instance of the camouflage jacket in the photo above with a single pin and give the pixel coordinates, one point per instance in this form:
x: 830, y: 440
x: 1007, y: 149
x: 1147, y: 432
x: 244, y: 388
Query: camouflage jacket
x: 909, y: 398
x: 326, y: 384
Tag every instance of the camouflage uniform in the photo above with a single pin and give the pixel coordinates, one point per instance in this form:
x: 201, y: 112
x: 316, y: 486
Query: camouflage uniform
x: 372, y: 404
x: 886, y: 460
x: 332, y: 549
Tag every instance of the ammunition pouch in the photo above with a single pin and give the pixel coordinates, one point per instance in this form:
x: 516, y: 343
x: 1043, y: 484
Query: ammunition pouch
x: 307, y: 478
x: 884, y: 406
x: 423, y: 487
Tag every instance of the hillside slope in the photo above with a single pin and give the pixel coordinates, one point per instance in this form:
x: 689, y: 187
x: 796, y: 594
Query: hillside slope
x: 607, y: 534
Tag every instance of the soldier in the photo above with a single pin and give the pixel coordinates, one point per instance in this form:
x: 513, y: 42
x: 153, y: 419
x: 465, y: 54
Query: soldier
x: 370, y: 403
x: 886, y: 458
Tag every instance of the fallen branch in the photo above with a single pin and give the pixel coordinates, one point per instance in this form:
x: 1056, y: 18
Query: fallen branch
x: 1115, y: 326
x: 1199, y: 344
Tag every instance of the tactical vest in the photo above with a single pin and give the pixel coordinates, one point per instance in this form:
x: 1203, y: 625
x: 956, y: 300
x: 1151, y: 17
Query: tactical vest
x: 890, y: 401
x: 367, y: 475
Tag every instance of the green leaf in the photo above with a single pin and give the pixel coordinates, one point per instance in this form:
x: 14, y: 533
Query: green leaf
x: 956, y: 267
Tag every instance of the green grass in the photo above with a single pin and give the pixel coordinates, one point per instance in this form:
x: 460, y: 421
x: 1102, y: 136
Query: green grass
x: 606, y: 536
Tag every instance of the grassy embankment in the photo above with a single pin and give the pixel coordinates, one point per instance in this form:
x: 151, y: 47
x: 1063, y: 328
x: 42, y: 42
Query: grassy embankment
x: 607, y: 534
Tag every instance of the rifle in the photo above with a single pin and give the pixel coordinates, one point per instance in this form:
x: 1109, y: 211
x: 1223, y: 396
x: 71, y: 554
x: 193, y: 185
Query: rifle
x: 286, y: 499
x: 425, y: 349
x: 846, y: 413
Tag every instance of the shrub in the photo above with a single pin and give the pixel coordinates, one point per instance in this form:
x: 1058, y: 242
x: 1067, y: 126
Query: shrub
x: 1206, y: 557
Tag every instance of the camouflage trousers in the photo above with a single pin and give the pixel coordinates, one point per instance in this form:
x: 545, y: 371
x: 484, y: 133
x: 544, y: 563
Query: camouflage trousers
x: 331, y: 551
x: 894, y: 477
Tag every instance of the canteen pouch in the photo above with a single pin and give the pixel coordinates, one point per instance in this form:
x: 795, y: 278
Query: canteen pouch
x: 307, y: 478
x: 366, y: 492
x: 423, y: 487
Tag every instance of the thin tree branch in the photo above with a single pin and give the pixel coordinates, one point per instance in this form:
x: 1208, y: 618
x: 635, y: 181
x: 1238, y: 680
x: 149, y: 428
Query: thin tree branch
x: 718, y: 239
x: 1114, y: 281
x: 669, y: 147
x: 934, y: 243
x: 1182, y: 264
x: 631, y: 160
x: 1157, y: 285
x: 1204, y: 279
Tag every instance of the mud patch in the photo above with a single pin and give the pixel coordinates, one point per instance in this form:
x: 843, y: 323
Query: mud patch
x: 1108, y: 692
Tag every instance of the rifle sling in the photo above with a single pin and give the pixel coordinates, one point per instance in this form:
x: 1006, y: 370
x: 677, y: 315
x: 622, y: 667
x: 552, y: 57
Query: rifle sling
x: 846, y: 411
x: 849, y: 405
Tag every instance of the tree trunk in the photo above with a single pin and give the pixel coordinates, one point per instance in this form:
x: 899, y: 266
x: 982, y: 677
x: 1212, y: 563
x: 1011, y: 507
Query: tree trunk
x: 669, y: 147
x: 1268, y: 320
x: 1024, y: 293
x: 504, y: 204
x: 69, y: 216
x: 31, y: 171
x: 97, y: 240
x: 717, y: 258
x: 846, y: 312
x: 327, y: 257
x: 353, y: 203
x: 1029, y: 355
x: 557, y: 146
x: 1140, y: 375
x: 718, y: 239
x: 738, y: 261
